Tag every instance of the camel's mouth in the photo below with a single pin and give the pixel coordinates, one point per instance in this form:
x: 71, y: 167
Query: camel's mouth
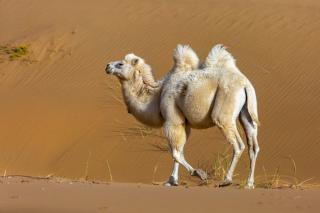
x: 109, y: 72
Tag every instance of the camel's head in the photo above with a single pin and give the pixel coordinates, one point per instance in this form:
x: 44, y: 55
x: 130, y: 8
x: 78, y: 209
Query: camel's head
x: 131, y: 68
x: 125, y: 68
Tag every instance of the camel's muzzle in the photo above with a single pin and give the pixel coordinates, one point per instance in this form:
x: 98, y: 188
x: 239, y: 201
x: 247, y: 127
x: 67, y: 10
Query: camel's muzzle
x: 108, y: 69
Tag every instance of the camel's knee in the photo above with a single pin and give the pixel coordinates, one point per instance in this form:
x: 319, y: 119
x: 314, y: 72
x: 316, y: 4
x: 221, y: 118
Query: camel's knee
x: 240, y: 142
x: 238, y: 148
x: 251, y: 133
x: 237, y: 152
x: 176, y: 155
x: 255, y: 144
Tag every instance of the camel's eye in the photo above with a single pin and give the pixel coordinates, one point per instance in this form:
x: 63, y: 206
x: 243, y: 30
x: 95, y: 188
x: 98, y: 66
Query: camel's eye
x: 119, y: 65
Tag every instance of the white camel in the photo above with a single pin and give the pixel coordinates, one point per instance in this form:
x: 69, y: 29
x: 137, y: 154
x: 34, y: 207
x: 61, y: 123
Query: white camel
x: 192, y: 97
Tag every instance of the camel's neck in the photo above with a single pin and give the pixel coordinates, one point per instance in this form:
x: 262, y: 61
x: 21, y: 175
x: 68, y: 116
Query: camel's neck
x: 143, y: 102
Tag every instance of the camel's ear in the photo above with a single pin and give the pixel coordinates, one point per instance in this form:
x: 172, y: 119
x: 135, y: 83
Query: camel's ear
x: 135, y: 61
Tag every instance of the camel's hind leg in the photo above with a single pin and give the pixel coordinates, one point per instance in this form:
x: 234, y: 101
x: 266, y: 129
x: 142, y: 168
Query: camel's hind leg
x: 232, y: 135
x: 228, y: 105
x: 251, y: 130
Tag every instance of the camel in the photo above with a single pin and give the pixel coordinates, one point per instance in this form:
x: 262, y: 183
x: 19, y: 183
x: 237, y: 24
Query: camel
x: 195, y: 96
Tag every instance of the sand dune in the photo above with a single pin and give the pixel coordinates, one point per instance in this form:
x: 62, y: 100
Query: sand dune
x: 61, y: 115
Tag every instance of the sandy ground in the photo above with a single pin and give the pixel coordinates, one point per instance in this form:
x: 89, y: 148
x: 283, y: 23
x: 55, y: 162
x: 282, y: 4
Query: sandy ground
x: 61, y: 115
x: 29, y: 195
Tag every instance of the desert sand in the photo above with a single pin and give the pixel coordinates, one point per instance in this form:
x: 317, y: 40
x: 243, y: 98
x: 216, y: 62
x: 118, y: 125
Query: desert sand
x: 62, y: 116
x: 32, y: 196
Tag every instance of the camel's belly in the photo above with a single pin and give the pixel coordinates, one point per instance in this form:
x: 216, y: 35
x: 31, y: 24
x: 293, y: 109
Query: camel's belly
x: 196, y: 103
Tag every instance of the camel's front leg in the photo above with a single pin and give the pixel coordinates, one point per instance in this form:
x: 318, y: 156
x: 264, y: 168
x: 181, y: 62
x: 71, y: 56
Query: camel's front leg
x: 176, y: 135
x: 173, y: 179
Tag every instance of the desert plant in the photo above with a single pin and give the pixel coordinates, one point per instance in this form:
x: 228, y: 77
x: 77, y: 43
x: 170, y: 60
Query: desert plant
x: 13, y: 52
x: 17, y: 52
x: 277, y: 180
x: 109, y: 171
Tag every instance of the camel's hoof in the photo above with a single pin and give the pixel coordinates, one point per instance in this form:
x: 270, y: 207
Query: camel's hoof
x: 171, y: 182
x: 168, y: 184
x: 249, y: 186
x: 225, y: 183
x: 200, y: 173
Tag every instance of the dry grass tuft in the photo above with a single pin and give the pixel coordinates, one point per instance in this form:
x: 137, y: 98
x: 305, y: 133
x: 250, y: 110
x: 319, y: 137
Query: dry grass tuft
x: 218, y: 169
x: 109, y: 171
x: 13, y: 52
x: 140, y: 130
x: 155, y: 169
x: 86, y: 175
x: 277, y: 181
x: 153, y: 137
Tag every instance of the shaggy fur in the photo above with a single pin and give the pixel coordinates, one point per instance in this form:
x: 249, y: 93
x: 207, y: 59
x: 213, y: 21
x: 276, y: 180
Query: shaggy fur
x: 219, y: 57
x: 217, y: 94
x: 185, y: 59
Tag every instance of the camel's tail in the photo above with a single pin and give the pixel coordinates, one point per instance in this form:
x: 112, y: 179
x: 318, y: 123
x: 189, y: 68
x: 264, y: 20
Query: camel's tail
x: 219, y: 57
x: 185, y: 58
x: 252, y: 103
